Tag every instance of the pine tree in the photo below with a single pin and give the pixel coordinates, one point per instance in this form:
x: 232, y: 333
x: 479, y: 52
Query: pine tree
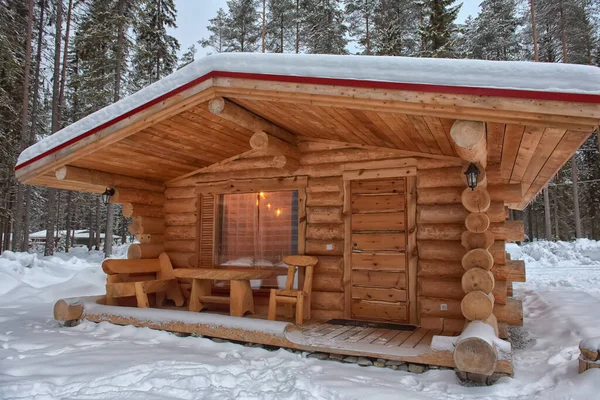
x: 187, y: 57
x: 395, y: 28
x: 280, y: 25
x: 438, y: 27
x: 324, y: 27
x: 155, y: 53
x: 219, y: 31
x: 360, y: 15
x: 244, y: 29
x: 495, y: 34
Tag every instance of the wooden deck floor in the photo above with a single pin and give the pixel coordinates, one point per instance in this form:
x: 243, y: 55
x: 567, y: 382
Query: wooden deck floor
x: 325, y: 334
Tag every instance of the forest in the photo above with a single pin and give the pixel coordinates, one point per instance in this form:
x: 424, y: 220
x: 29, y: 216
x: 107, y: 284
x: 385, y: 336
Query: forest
x: 61, y: 60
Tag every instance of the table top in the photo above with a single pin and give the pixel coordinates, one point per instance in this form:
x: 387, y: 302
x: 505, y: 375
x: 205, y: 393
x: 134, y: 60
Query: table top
x: 224, y: 274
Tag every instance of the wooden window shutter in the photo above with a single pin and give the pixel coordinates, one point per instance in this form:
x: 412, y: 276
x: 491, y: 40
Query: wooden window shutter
x: 206, y: 230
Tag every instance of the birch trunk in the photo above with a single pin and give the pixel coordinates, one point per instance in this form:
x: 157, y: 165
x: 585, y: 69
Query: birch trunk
x: 575, y: 179
x: 547, y: 219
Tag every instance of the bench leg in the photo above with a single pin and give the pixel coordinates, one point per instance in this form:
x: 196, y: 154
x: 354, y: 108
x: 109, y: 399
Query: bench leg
x: 141, y: 295
x: 174, y: 293
x: 241, y: 300
x: 200, y: 287
x: 300, y: 308
x: 272, y: 306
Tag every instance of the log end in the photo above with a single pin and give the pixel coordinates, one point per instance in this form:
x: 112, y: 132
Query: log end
x: 61, y: 173
x: 477, y: 306
x: 134, y: 252
x: 467, y: 134
x: 477, y: 222
x: 64, y: 311
x: 476, y: 356
x: 216, y: 105
x: 260, y: 140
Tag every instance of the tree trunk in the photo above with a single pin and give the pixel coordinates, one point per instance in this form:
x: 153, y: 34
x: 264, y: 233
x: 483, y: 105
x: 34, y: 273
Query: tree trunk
x: 98, y: 236
x: 547, y: 219
x: 575, y: 179
x: 536, y: 56
x: 108, y: 237
x: 530, y: 221
x: 19, y: 243
x: 264, y: 24
x: 297, y: 26
x: 51, y: 219
x: 68, y: 219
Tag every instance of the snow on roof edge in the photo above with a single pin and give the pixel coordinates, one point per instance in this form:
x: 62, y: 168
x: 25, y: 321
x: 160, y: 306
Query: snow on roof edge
x: 507, y: 75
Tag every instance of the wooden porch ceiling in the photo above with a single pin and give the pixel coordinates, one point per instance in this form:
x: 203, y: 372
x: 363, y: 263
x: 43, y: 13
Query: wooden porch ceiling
x: 529, y: 139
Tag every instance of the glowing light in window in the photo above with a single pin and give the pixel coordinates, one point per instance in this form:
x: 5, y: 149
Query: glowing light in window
x: 278, y: 212
x: 269, y: 206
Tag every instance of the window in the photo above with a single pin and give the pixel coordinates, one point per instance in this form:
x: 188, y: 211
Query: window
x: 257, y: 229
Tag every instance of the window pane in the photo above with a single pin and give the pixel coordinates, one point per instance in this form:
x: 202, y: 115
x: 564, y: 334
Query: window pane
x: 257, y: 229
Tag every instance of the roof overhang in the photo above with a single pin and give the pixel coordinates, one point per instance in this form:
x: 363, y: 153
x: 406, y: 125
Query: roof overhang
x: 531, y: 132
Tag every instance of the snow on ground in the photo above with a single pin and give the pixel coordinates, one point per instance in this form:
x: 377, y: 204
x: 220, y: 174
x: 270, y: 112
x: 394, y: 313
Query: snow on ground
x: 39, y: 359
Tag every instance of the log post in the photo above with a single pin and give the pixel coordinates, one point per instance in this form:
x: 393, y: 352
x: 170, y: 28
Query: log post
x: 475, y: 350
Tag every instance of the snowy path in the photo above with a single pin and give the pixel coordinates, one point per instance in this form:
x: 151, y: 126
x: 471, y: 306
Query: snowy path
x: 41, y: 360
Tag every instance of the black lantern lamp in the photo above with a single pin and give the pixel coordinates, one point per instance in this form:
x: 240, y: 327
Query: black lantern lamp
x: 108, y: 193
x: 472, y: 174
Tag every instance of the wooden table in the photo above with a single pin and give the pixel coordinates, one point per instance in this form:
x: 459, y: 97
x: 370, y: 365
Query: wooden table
x: 240, y: 296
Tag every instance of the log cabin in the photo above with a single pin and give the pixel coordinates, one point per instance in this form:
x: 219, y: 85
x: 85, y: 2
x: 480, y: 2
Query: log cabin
x: 345, y: 204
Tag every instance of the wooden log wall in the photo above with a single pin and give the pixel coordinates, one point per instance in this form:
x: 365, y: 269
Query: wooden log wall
x: 441, y: 227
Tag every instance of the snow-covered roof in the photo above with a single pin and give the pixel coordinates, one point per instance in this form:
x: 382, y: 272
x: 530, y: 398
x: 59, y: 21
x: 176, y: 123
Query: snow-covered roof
x: 525, y: 79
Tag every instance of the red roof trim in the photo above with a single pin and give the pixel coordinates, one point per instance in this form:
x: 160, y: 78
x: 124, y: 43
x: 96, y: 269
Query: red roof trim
x: 476, y: 91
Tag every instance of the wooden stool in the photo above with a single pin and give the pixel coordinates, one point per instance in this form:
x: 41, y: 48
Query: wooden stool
x: 590, y: 354
x: 290, y: 296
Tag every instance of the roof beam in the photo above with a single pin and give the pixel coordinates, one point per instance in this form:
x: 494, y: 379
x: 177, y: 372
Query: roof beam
x: 231, y: 112
x: 100, y: 178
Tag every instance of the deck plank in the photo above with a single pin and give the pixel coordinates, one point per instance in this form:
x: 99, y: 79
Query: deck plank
x: 349, y: 333
x: 399, y: 338
x: 414, y: 339
x: 333, y: 334
x: 373, y: 336
x: 386, y: 337
x: 362, y: 334
x: 425, y: 342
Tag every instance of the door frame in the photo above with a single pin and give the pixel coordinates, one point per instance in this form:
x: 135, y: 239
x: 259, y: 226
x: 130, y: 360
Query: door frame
x: 410, y: 174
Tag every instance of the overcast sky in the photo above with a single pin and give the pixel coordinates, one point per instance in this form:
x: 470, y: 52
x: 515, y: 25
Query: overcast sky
x: 193, y: 16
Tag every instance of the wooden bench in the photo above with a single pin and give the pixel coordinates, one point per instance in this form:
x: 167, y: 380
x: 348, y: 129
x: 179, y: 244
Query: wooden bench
x: 140, y: 277
x: 240, y: 294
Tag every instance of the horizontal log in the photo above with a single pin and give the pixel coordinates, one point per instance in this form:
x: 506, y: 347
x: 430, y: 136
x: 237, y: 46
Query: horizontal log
x: 93, y: 177
x: 328, y: 283
x: 440, y: 177
x: 512, y: 271
x: 180, y: 246
x: 324, y: 185
x: 455, y: 213
x: 64, y: 311
x: 325, y: 231
x: 506, y: 193
x: 511, y: 312
x: 324, y: 247
x: 180, y: 192
x: 244, y: 164
x: 267, y: 143
x: 123, y: 195
x: 509, y: 231
x: 182, y: 260
x: 187, y: 232
x: 144, y: 250
x: 324, y: 215
x: 330, y: 265
x: 151, y: 239
x: 180, y: 219
x: 503, y: 330
x: 443, y: 324
x: 324, y: 199
x: 180, y: 206
x: 452, y: 288
x: 352, y: 155
x: 147, y: 225
x: 327, y: 301
x: 117, y: 266
x: 440, y: 232
x: 440, y: 307
x: 142, y: 210
x: 449, y: 250
x: 433, y: 163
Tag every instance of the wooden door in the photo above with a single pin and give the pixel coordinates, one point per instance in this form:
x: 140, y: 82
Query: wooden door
x: 379, y: 262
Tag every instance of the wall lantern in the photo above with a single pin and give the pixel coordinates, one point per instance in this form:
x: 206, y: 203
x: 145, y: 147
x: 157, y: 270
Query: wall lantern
x: 472, y: 174
x: 108, y: 193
